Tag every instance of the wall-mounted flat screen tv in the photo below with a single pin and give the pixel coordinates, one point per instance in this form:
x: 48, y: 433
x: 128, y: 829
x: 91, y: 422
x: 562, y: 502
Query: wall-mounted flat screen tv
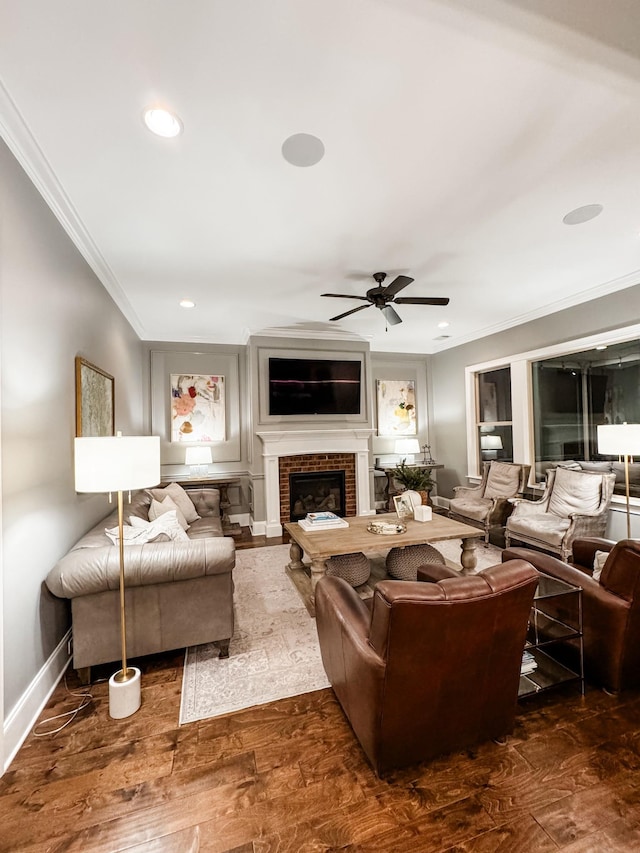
x: 314, y: 386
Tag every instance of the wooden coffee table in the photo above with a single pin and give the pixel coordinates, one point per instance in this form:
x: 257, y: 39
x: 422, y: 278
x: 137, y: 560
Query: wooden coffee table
x: 322, y: 544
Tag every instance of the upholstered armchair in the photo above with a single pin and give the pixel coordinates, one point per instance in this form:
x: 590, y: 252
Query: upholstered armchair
x: 431, y: 667
x: 573, y: 505
x: 610, y: 606
x: 488, y: 506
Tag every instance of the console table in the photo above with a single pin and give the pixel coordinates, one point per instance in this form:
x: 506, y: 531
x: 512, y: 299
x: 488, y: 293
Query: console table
x: 228, y: 528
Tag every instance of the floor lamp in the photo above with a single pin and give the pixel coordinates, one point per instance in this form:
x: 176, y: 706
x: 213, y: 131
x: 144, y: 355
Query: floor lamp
x: 119, y: 464
x: 622, y: 440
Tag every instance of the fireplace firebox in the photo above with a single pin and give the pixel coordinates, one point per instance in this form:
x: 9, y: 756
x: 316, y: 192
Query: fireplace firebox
x: 313, y: 491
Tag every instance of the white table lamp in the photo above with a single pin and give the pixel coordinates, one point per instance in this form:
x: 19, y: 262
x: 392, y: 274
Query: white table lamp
x: 198, y: 458
x: 490, y: 445
x: 407, y: 448
x: 119, y: 464
x: 622, y: 440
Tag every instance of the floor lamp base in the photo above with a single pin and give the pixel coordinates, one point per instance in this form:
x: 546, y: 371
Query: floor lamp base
x: 124, y: 695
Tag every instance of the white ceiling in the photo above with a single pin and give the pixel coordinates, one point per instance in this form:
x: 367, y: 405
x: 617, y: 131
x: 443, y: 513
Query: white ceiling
x: 457, y: 133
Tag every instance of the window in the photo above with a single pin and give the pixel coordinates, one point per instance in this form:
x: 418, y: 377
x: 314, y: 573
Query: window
x: 494, y: 434
x: 574, y: 393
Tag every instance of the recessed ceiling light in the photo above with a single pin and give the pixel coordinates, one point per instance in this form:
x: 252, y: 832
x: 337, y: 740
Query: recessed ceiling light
x: 443, y: 324
x: 162, y: 122
x: 187, y: 303
x: 602, y: 346
x: 303, y: 149
x: 582, y: 214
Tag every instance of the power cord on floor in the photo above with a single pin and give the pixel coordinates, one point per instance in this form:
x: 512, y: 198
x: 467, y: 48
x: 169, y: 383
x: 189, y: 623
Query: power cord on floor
x: 86, y: 699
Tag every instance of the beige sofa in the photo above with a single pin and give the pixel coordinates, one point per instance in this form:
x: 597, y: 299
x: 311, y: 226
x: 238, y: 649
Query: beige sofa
x: 178, y: 593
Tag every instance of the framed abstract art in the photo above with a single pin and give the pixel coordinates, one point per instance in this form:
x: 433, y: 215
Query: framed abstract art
x: 95, y: 400
x: 197, y: 408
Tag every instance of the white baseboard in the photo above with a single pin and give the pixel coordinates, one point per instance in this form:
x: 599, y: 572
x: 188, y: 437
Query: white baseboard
x: 20, y: 721
x: 241, y: 518
x: 258, y: 528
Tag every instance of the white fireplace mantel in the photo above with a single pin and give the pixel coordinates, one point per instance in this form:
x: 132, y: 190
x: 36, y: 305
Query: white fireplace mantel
x: 299, y: 442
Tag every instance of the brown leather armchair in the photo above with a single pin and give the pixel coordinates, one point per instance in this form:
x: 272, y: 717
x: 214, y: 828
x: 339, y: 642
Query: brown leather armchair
x: 610, y: 606
x: 431, y: 667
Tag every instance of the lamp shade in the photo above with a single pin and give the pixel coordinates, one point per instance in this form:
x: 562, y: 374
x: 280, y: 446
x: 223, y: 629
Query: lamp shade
x: 117, y: 463
x: 198, y: 456
x: 407, y: 445
x: 619, y: 439
x: 490, y: 442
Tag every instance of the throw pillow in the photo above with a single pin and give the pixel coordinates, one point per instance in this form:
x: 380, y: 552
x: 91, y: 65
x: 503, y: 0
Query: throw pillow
x: 180, y: 498
x: 165, y: 528
x: 157, y: 509
x: 599, y: 559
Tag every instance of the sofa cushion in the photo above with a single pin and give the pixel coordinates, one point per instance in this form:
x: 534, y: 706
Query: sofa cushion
x: 574, y: 492
x: 157, y: 508
x: 180, y: 498
x: 503, y: 480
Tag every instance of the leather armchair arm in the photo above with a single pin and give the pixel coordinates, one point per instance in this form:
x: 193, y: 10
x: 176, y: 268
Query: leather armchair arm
x: 584, y: 549
x: 434, y: 572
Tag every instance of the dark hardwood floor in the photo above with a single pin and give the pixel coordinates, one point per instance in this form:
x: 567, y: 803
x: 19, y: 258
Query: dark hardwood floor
x: 290, y: 776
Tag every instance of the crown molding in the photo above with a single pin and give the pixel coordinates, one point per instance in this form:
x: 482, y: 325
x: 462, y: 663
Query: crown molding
x: 23, y: 145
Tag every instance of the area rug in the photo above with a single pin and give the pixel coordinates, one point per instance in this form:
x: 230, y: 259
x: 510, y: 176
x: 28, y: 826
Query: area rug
x: 274, y: 651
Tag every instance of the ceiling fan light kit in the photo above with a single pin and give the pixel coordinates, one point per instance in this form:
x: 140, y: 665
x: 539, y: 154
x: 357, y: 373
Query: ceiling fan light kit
x: 381, y: 297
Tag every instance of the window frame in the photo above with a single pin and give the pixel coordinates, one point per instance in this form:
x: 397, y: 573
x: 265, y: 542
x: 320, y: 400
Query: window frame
x: 522, y: 393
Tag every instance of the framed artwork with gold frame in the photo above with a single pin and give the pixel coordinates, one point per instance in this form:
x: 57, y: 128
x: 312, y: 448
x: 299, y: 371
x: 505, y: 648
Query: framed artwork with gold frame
x: 95, y: 400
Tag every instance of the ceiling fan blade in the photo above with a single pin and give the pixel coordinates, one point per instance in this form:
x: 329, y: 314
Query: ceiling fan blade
x: 422, y: 300
x: 345, y: 296
x: 392, y: 317
x: 397, y: 284
x: 353, y: 311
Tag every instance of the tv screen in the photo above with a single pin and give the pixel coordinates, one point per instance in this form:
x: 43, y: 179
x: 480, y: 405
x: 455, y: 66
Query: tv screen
x: 314, y: 386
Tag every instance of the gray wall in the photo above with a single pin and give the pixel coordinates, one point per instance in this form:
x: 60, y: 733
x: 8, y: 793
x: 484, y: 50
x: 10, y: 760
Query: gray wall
x: 52, y: 309
x: 447, y: 368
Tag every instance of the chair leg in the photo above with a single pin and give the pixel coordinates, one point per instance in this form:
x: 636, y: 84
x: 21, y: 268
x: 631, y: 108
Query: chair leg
x: 223, y: 645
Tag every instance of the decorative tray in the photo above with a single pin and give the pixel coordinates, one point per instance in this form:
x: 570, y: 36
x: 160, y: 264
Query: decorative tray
x: 386, y: 528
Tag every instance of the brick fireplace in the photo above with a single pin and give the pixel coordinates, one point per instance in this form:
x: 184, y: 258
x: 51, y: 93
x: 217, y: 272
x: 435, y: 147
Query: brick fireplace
x: 316, y: 463
x: 313, y: 448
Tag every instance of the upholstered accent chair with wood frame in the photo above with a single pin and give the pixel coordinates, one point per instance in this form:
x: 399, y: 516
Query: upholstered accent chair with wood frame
x: 488, y: 505
x: 573, y: 505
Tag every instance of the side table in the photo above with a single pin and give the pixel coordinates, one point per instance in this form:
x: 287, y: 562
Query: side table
x: 229, y: 528
x: 556, y: 619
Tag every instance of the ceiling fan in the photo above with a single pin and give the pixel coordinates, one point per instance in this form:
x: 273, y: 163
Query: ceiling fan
x: 381, y: 297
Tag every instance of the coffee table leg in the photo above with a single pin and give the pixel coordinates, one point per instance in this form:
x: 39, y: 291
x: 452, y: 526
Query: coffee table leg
x: 468, y: 556
x: 318, y: 569
x: 295, y: 555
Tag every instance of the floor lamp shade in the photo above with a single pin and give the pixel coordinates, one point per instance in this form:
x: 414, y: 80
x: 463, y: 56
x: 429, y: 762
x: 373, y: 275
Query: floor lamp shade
x: 119, y: 464
x: 622, y: 440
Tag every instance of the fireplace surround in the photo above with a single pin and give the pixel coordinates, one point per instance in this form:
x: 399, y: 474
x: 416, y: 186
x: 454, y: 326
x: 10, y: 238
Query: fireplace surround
x: 300, y: 443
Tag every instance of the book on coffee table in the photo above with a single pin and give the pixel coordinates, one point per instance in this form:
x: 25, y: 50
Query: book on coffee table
x: 325, y: 524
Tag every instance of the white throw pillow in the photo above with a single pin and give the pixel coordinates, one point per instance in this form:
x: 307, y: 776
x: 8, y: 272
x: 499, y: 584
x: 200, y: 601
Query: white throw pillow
x: 139, y: 532
x: 158, y: 508
x: 180, y: 498
x: 599, y: 559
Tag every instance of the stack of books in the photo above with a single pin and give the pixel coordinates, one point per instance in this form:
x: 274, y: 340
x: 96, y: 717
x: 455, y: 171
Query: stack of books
x: 529, y: 663
x: 322, y: 521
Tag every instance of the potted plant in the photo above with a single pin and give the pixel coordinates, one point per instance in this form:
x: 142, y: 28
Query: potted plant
x: 414, y: 478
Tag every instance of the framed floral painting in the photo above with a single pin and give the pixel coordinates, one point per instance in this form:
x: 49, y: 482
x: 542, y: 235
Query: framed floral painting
x: 396, y: 407
x: 197, y: 408
x: 95, y: 401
